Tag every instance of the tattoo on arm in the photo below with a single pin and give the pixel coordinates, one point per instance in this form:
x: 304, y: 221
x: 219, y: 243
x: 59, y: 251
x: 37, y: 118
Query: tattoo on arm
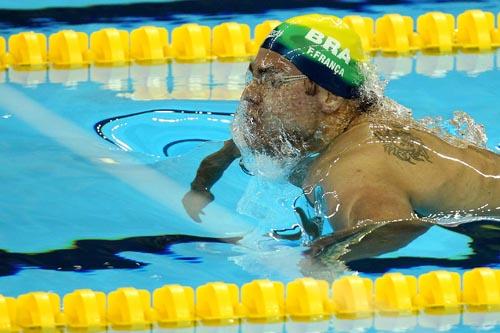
x: 401, y: 143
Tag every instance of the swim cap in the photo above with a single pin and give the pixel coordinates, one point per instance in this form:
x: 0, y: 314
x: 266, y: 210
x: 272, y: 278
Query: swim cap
x: 324, y: 49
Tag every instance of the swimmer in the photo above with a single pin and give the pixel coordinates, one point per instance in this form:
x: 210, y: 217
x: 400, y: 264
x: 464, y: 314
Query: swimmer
x: 311, y: 101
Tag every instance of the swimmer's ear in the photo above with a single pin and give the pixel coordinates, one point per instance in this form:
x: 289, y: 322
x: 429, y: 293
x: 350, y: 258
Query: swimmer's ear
x: 310, y: 87
x: 331, y: 103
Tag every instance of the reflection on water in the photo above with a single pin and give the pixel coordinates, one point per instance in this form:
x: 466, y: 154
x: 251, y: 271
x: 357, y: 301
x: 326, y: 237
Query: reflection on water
x: 498, y: 58
x: 393, y: 67
x: 225, y: 81
x: 111, y: 78
x: 228, y: 81
x: 420, y: 323
x: 251, y: 327
x: 68, y: 78
x: 444, y: 322
x: 149, y: 82
x: 434, y: 65
x: 474, y: 64
x: 395, y: 323
x: 191, y: 81
x: 28, y: 78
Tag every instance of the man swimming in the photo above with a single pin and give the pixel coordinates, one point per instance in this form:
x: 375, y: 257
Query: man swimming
x: 376, y: 173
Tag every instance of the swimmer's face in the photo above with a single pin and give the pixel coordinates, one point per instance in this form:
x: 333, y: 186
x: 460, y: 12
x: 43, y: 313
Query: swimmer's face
x: 282, y: 112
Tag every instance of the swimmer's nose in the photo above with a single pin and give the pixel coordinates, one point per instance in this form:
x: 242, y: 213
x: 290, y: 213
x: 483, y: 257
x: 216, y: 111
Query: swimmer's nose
x: 251, y: 95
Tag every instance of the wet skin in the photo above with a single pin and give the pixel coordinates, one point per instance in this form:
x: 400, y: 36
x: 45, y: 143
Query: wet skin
x: 372, y: 181
x: 379, y: 177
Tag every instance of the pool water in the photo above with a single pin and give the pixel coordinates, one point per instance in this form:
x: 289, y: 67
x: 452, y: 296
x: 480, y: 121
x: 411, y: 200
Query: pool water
x: 94, y: 164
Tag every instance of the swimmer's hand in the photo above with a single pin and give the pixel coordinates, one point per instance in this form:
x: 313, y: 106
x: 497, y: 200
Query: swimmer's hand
x: 209, y: 172
x: 194, y: 201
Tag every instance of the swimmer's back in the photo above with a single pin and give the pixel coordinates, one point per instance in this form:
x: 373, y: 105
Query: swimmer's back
x: 435, y: 176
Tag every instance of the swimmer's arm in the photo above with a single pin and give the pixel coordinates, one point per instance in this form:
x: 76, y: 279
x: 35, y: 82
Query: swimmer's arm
x: 213, y: 166
x: 209, y: 172
x: 376, y: 205
x: 388, y: 238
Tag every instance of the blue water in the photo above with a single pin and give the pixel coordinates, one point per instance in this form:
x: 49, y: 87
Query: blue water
x: 80, y: 211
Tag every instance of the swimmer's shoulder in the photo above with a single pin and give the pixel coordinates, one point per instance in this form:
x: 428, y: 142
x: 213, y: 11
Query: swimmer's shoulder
x: 400, y: 150
x: 350, y: 154
x: 374, y: 151
x: 415, y: 161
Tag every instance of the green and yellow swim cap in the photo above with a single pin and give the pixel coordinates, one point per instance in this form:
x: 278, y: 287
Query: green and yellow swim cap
x: 324, y: 49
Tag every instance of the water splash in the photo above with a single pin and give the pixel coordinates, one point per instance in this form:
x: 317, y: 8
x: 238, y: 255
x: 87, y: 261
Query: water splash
x: 273, y: 159
x: 460, y: 131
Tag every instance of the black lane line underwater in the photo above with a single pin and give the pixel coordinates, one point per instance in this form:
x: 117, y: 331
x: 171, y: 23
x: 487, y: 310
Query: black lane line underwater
x: 97, y: 254
x: 173, y: 11
x: 173, y: 143
x: 99, y: 125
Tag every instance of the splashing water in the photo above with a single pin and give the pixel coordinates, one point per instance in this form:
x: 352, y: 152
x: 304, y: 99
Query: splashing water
x: 460, y: 131
x: 275, y: 156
